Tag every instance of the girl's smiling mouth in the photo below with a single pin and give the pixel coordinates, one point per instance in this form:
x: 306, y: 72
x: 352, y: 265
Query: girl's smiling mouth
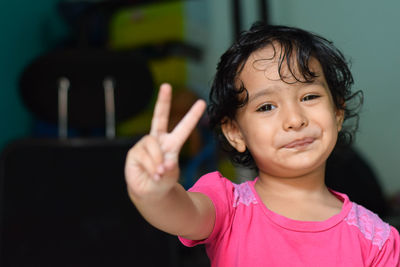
x: 300, y: 143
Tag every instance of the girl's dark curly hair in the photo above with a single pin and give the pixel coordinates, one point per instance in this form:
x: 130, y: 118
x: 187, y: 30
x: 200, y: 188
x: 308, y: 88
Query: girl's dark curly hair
x: 296, y: 48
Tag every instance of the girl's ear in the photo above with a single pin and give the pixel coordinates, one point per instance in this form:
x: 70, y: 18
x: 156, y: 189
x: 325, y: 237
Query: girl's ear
x: 232, y: 133
x: 339, y: 118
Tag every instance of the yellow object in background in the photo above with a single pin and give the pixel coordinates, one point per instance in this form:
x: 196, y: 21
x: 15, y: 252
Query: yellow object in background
x: 171, y: 70
x: 147, y: 24
x: 150, y: 25
x: 226, y: 168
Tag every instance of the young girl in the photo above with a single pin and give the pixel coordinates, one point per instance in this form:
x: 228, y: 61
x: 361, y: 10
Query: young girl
x: 278, y: 102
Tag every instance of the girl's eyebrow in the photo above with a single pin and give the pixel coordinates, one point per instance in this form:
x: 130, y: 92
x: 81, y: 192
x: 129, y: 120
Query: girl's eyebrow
x: 263, y: 92
x: 318, y: 81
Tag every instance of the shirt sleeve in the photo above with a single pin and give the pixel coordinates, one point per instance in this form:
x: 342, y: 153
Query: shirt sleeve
x: 389, y: 255
x: 220, y: 191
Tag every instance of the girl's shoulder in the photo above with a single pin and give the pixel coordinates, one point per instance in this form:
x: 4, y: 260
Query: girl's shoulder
x: 217, y: 180
x: 370, y: 225
x: 215, y: 185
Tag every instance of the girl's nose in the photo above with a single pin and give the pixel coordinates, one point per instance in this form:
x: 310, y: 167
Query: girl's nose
x: 294, y: 119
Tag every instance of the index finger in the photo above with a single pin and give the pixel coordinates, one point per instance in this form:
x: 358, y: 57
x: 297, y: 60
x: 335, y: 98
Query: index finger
x: 159, y: 122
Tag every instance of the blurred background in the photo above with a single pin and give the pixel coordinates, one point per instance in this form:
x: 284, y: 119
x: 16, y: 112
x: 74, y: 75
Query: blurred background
x: 78, y: 82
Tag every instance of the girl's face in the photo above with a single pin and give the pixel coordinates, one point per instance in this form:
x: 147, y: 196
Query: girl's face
x: 290, y: 128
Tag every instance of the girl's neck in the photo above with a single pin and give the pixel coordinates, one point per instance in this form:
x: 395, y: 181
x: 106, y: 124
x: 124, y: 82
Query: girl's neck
x: 305, y: 197
x: 295, y: 186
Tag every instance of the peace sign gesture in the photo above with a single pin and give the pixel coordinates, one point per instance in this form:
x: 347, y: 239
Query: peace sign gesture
x: 151, y: 167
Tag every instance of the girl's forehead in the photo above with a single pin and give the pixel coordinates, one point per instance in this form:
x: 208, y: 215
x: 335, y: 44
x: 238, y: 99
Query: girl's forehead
x: 273, y: 62
x: 271, y: 52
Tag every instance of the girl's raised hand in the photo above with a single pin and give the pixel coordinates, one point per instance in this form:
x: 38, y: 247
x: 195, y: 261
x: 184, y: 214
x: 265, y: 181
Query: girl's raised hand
x: 151, y: 167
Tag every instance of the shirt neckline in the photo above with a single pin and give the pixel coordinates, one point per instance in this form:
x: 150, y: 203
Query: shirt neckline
x: 305, y: 226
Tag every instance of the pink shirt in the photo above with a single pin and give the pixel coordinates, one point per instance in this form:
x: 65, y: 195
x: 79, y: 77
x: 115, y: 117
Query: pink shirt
x: 247, y: 234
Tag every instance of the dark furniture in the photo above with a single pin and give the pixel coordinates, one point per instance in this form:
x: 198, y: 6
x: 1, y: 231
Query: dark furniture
x: 64, y: 203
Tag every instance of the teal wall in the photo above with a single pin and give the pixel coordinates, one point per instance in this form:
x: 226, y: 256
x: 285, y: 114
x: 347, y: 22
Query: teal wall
x: 27, y: 28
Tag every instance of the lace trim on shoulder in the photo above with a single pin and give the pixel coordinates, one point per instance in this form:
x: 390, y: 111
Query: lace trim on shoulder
x: 243, y: 195
x: 370, y: 225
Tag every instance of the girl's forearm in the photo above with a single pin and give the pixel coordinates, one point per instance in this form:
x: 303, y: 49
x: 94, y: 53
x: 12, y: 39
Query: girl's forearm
x: 179, y: 212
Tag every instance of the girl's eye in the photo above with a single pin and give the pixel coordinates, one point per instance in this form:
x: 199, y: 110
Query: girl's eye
x: 309, y: 97
x: 266, y: 107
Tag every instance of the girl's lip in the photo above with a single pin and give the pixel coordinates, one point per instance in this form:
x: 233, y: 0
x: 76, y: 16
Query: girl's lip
x: 300, y: 142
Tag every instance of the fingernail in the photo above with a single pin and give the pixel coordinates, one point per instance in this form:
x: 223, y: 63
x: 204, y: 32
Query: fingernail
x: 160, y: 169
x: 169, y: 165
